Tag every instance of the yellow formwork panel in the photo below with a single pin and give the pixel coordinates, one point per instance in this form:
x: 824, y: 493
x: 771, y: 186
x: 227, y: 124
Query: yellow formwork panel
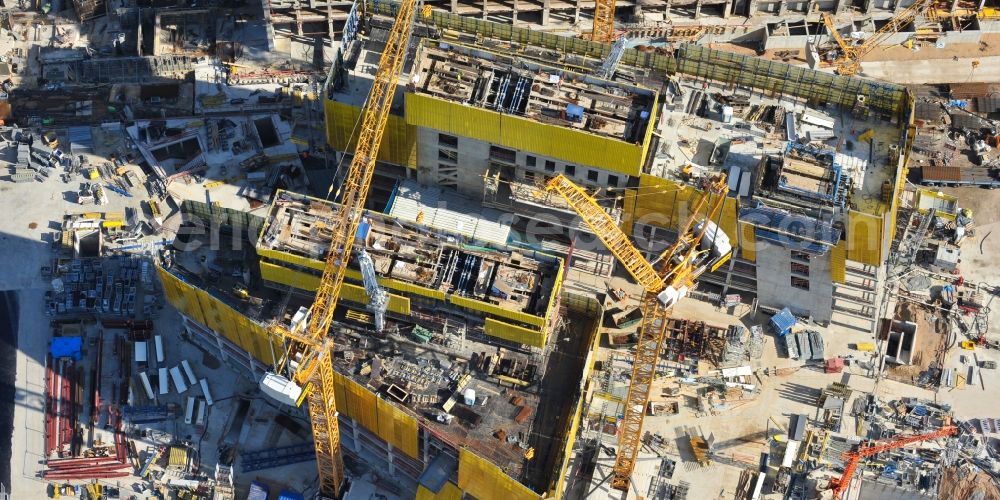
x: 486, y: 481
x: 218, y: 316
x: 628, y: 211
x: 865, y: 238
x: 662, y: 202
x: 554, y: 296
x: 401, y: 286
x: 568, y: 449
x: 340, y: 392
x: 410, y: 287
x: 566, y: 144
x: 358, y: 403
x: 748, y: 242
x: 288, y: 277
x: 728, y: 217
x: 838, y: 262
x: 399, y: 144
x: 180, y: 295
x: 280, y: 256
x: 514, y: 333
x: 668, y: 204
x: 217, y: 319
x: 397, y: 428
x: 496, y: 310
x: 475, y: 123
x: 354, y: 293
x: 448, y: 492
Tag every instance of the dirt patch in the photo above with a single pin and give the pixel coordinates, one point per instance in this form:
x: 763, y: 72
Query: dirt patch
x: 928, y: 347
x: 33, y: 225
x: 967, y: 482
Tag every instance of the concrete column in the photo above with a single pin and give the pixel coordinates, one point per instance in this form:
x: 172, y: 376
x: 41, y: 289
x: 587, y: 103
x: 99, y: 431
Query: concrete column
x: 869, y: 5
x: 898, y: 6
x: 697, y: 9
x: 727, y: 9
x: 222, y: 349
x: 545, y: 11
x: 485, y: 11
x: 513, y: 15
x: 751, y: 8
x: 810, y: 5
x: 392, y: 466
x: 982, y: 4
x: 954, y: 5
x: 782, y: 7
x: 576, y: 12
x: 454, y: 6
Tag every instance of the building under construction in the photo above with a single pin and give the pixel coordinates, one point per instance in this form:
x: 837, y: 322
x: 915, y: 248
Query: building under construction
x: 447, y: 398
x: 814, y: 161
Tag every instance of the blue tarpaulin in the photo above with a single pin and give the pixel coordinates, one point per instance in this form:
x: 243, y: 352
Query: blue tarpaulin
x: 66, y: 347
x: 783, y: 322
x: 363, y: 230
x: 290, y: 495
x: 794, y: 231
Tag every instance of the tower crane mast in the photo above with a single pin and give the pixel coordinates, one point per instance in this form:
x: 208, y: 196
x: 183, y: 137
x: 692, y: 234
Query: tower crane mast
x: 308, y: 359
x: 604, y: 21
x: 700, y: 245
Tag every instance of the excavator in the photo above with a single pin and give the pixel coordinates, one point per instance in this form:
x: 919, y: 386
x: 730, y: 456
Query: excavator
x: 305, y: 371
x: 701, y: 246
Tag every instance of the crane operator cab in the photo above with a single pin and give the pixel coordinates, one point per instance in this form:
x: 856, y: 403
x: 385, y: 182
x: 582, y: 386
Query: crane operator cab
x: 714, y: 249
x: 715, y: 242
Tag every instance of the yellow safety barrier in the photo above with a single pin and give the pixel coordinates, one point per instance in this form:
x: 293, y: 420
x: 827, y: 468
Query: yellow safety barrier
x: 485, y: 481
x: 448, y: 492
x: 573, y: 146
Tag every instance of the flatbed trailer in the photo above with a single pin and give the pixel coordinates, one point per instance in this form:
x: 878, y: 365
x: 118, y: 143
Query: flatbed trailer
x: 955, y: 176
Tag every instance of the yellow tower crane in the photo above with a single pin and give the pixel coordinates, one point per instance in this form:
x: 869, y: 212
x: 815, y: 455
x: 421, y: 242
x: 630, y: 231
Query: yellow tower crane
x: 604, y: 21
x: 700, y: 246
x: 848, y: 62
x: 306, y: 371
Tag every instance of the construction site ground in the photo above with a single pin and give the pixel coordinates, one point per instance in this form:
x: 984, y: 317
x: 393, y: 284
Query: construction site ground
x: 926, y: 64
x: 742, y: 430
x: 32, y: 213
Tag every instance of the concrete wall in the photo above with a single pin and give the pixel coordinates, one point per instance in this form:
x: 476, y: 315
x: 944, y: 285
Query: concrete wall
x: 473, y: 161
x: 966, y: 36
x: 774, y: 283
x: 785, y: 42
